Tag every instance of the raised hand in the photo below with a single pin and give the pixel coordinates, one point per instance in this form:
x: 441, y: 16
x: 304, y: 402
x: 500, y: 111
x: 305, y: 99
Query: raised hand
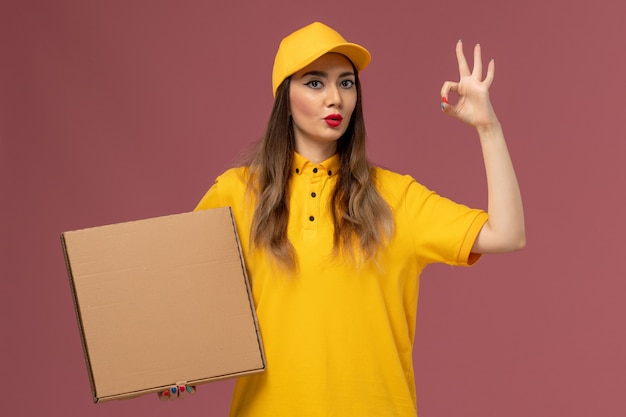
x: 473, y: 105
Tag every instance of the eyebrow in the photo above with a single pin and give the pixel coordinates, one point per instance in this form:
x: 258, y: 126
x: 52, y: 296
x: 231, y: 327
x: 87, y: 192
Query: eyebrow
x: 325, y: 74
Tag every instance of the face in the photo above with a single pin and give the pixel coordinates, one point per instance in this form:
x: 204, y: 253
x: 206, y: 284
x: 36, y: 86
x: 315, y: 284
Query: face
x: 322, y: 98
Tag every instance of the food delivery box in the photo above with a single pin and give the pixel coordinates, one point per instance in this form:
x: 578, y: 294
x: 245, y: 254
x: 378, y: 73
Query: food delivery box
x: 162, y: 301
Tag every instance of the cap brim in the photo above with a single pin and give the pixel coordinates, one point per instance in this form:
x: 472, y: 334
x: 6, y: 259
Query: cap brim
x: 358, y: 55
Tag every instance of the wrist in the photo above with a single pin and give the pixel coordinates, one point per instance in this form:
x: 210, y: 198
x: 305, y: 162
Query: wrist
x: 490, y: 129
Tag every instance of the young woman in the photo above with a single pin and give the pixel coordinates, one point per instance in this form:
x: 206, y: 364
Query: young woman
x: 334, y: 247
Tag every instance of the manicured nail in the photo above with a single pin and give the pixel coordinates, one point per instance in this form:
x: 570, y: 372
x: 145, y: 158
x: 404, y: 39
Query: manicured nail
x: 444, y: 100
x: 166, y: 394
x: 189, y: 389
x: 443, y: 106
x: 173, y: 390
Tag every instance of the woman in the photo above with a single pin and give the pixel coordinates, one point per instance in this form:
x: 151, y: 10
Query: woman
x: 334, y: 247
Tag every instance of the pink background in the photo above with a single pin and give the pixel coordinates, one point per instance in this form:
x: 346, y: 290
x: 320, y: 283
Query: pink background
x: 121, y: 110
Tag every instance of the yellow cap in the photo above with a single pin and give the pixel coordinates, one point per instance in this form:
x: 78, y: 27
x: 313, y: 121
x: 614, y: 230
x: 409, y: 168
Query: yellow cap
x: 305, y: 45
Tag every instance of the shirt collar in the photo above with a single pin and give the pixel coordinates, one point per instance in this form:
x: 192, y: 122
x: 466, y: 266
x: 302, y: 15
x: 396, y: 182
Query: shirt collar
x: 301, y: 165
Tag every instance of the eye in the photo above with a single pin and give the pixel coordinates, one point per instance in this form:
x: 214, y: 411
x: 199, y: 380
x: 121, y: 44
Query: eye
x: 314, y: 84
x: 347, y: 83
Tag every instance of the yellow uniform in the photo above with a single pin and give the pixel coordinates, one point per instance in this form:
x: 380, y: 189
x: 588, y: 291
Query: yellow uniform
x: 338, y: 336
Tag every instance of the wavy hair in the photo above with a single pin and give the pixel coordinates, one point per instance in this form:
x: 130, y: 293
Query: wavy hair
x: 361, y: 217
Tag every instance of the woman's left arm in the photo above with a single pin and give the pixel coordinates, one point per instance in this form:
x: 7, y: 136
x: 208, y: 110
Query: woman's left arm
x: 505, y: 230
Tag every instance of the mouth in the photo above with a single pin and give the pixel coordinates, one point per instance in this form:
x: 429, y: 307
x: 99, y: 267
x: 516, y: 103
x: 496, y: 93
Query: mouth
x: 333, y: 120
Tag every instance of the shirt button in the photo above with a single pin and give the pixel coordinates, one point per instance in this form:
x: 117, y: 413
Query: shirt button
x: 330, y: 172
x: 315, y: 170
x: 297, y: 170
x: 311, y: 218
x: 313, y: 195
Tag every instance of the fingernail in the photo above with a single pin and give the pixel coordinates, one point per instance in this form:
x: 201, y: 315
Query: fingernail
x: 181, y: 388
x: 444, y: 100
x: 189, y: 389
x: 166, y: 394
x: 443, y: 106
x: 460, y: 40
x: 173, y: 390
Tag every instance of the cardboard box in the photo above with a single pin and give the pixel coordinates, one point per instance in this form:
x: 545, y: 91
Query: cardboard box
x: 162, y: 301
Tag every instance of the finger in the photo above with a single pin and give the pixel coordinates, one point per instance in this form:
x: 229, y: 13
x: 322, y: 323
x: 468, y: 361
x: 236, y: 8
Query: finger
x: 164, y: 395
x: 173, y: 393
x: 182, y: 391
x: 444, y: 103
x: 477, y: 71
x: 491, y: 72
x: 447, y: 87
x: 460, y: 57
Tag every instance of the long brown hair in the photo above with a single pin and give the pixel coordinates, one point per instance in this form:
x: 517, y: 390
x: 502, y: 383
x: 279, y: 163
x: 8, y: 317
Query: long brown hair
x: 360, y: 215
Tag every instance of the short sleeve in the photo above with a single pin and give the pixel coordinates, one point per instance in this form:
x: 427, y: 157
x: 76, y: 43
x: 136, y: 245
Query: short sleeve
x: 211, y: 198
x: 442, y: 230
x: 229, y: 190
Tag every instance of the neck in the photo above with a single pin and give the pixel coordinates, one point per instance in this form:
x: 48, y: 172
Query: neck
x: 316, y: 153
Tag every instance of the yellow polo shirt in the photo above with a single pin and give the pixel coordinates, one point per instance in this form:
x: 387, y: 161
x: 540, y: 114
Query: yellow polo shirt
x: 338, y: 337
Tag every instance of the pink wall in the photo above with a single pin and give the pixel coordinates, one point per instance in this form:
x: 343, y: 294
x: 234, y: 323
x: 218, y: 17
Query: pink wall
x: 120, y: 110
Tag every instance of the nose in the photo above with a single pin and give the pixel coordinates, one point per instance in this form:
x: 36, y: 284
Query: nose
x: 333, y: 96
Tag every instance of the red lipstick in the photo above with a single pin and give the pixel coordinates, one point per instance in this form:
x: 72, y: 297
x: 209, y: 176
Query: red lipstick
x: 333, y: 120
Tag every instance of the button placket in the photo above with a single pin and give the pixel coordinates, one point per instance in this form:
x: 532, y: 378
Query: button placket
x: 313, y: 200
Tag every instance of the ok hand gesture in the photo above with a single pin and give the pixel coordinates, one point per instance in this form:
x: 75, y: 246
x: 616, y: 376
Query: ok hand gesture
x: 473, y: 106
